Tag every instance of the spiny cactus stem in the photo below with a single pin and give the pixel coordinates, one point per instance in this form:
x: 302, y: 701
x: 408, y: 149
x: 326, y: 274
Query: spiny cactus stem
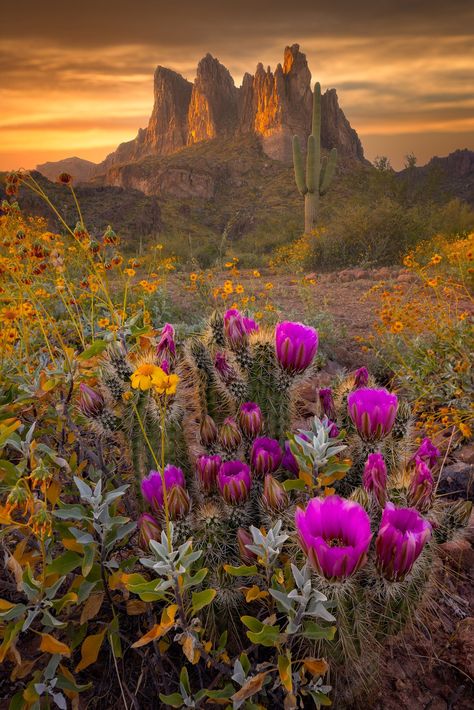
x: 160, y: 468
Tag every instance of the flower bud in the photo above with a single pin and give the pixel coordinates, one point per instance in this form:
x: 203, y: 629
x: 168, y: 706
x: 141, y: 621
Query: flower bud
x: 250, y: 419
x: 149, y: 529
x: 400, y: 540
x: 375, y: 477
x: 208, y: 431
x: 361, y: 378
x: 91, y: 402
x: 274, y: 495
x: 327, y: 402
x: 179, y: 503
x: 229, y: 434
x: 207, y: 468
x: 295, y: 346
x: 244, y: 538
x: 373, y: 412
x: 427, y: 452
x: 166, y: 347
x: 420, y: 492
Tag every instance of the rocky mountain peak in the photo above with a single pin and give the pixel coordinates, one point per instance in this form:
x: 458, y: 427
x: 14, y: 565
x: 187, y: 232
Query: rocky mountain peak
x: 212, y: 109
x: 274, y: 105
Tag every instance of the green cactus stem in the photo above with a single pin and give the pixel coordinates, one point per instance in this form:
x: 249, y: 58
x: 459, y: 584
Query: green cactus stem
x: 319, y: 172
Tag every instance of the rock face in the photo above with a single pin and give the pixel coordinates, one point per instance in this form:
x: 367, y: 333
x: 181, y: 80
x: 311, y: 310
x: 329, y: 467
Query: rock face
x: 272, y: 105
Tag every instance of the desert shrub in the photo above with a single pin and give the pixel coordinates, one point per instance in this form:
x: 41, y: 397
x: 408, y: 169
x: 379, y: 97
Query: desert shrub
x: 424, y: 334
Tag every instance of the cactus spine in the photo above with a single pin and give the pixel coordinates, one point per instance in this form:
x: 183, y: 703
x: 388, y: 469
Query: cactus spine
x: 319, y: 173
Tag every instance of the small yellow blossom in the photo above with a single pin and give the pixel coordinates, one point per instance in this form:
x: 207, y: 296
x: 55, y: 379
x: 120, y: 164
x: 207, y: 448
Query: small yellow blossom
x: 168, y: 384
x: 103, y: 322
x: 146, y: 376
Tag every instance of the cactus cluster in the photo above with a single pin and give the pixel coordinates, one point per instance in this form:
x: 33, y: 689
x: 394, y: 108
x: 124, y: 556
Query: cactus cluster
x: 319, y: 171
x: 227, y: 449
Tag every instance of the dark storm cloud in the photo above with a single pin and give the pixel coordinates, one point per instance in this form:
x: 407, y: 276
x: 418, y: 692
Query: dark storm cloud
x: 109, y: 22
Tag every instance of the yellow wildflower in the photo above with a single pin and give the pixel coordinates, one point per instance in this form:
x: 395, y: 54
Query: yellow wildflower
x: 256, y: 273
x: 146, y: 376
x: 168, y: 384
x: 129, y: 272
x: 103, y: 322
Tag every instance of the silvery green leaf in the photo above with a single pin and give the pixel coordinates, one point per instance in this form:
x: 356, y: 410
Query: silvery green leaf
x: 82, y: 537
x: 283, y: 598
x: 60, y: 701
x: 30, y: 617
x: 85, y: 491
x: 319, y: 610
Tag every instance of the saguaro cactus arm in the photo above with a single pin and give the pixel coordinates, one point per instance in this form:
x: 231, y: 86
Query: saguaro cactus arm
x: 298, y: 165
x: 327, y: 172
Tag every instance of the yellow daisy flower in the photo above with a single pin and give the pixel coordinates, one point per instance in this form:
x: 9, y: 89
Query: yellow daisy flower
x: 147, y: 376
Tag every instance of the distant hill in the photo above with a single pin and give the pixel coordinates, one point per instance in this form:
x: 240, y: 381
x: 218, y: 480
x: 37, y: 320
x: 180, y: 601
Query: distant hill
x: 449, y: 176
x: 82, y: 170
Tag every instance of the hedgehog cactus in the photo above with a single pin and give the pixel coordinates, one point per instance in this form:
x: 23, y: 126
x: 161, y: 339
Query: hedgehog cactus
x: 354, y: 495
x: 319, y: 173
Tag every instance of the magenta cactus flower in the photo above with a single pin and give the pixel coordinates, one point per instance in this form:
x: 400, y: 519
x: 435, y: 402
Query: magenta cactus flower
x: 296, y: 345
x: 374, y: 477
x: 265, y: 455
x: 361, y: 378
x: 229, y: 434
x: 327, y: 402
x: 207, y: 468
x: 373, y: 412
x: 274, y: 495
x: 237, y: 327
x: 402, y: 535
x: 208, y: 431
x: 250, y: 419
x: 91, y: 402
x: 234, y: 481
x: 334, y: 430
x: 166, y: 345
x: 420, y: 492
x: 335, y: 535
x: 152, y: 485
x: 427, y: 452
x: 148, y: 529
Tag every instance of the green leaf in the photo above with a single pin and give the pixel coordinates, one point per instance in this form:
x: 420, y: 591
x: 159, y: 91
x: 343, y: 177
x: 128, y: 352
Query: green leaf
x: 88, y: 560
x: 11, y: 472
x: 184, y: 680
x: 67, y: 684
x: 193, y: 581
x: 224, y: 694
x: 96, y: 348
x: 261, y: 633
x: 320, y: 699
x: 64, y: 563
x: 137, y: 584
x: 175, y: 700
x: 69, y: 511
x: 202, y: 599
x: 30, y: 585
x: 114, y: 637
x: 17, y: 702
x: 13, y: 613
x: 313, y: 631
x: 242, y: 571
x: 294, y: 484
x: 252, y: 623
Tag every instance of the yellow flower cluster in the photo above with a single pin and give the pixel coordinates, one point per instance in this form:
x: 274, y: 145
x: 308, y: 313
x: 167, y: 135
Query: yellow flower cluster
x: 149, y: 376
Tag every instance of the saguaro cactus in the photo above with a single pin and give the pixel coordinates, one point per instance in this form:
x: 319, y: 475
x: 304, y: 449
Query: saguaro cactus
x: 319, y: 173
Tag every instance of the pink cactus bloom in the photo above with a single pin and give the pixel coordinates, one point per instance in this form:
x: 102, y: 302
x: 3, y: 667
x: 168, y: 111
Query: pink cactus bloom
x: 361, y: 378
x: 373, y: 412
x: 234, y: 481
x: 91, y: 401
x: 296, y: 345
x: 402, y: 535
x: 265, y: 456
x: 229, y: 434
x: 237, y: 327
x: 427, y: 452
x: 327, y: 402
x: 274, y: 495
x: 166, y: 346
x: 152, y: 485
x: 335, y: 535
x: 207, y: 468
x: 149, y: 529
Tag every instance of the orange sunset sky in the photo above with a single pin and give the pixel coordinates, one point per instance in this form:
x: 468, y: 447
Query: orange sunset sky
x: 77, y: 77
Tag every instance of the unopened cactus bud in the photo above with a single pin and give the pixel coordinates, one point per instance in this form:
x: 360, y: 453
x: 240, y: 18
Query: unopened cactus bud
x: 375, y: 478
x: 327, y: 402
x: 179, y: 503
x: 274, y: 495
x: 361, y: 378
x: 244, y: 538
x: 250, y: 419
x: 229, y: 434
x: 91, y: 402
x: 208, y: 431
x: 420, y: 492
x: 149, y: 529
